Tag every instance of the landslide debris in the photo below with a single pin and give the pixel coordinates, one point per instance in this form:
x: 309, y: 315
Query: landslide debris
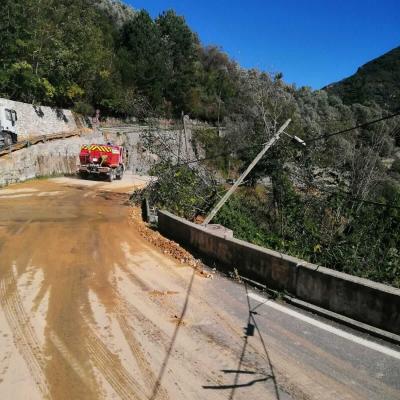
x: 168, y: 247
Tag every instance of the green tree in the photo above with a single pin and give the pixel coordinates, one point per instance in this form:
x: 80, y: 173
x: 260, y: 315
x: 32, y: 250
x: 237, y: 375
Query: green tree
x: 181, y: 45
x: 143, y: 57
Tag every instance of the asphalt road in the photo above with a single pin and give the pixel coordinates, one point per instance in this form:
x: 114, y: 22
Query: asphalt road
x: 90, y: 310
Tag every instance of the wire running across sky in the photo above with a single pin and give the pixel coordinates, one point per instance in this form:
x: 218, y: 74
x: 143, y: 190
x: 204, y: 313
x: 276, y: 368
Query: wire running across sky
x: 364, y: 125
x: 307, y: 141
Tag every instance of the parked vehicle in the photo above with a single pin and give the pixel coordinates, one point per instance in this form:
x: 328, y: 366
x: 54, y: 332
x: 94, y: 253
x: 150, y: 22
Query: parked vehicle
x: 8, y: 128
x: 102, y: 160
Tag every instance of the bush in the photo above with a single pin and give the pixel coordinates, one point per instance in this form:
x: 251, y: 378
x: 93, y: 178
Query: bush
x: 183, y: 191
x: 84, y: 108
x: 396, y: 166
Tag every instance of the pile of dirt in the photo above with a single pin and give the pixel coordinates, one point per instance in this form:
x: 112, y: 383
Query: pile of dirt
x: 168, y: 247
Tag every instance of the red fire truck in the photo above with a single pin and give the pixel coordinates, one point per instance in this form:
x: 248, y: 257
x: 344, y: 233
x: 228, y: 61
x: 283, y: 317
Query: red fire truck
x: 101, y: 160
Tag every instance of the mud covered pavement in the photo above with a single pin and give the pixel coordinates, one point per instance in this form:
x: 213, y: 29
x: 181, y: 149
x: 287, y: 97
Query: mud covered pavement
x: 91, y: 310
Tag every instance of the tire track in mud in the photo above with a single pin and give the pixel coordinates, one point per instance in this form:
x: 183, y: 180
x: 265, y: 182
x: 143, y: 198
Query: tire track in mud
x: 148, y: 375
x: 125, y: 316
x: 110, y: 366
x: 154, y: 333
x: 24, y: 336
x: 18, y: 228
x: 5, y: 364
x: 71, y: 360
x: 135, y: 279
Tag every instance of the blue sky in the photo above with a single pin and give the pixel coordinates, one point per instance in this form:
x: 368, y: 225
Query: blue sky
x: 312, y: 42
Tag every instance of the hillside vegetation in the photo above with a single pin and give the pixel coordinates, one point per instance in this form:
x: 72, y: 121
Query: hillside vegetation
x: 335, y: 202
x: 87, y: 54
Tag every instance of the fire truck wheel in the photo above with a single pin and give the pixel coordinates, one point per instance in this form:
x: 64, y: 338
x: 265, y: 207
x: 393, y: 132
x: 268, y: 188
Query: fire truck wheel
x: 120, y: 174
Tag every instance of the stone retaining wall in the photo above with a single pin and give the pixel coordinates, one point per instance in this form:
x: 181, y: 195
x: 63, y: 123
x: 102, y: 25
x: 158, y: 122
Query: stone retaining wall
x: 44, y: 159
x: 38, y: 120
x: 140, y: 159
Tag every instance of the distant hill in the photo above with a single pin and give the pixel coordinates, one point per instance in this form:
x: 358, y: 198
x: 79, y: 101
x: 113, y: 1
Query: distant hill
x: 377, y: 81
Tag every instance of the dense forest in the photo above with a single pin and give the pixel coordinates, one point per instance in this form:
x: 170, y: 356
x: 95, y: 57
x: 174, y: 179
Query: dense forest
x: 87, y: 54
x: 335, y: 202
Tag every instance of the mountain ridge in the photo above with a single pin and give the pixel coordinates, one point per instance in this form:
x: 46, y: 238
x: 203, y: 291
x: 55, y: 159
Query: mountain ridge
x: 377, y: 81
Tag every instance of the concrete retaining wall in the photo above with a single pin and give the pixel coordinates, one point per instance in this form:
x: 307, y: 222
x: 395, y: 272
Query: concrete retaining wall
x: 37, y: 120
x: 363, y: 300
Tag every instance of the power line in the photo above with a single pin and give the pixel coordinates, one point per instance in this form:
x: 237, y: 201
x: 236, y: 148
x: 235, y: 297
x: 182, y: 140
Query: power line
x: 324, y: 136
x: 364, y: 125
x: 226, y: 153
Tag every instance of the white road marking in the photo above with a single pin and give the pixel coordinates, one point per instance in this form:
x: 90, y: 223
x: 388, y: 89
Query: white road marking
x: 339, y: 332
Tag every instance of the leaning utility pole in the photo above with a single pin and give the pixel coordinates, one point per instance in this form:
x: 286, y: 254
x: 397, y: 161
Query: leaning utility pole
x: 245, y: 173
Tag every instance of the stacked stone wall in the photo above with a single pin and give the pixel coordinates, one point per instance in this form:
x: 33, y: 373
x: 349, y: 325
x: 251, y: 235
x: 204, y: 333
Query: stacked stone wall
x: 55, y: 157
x: 37, y: 120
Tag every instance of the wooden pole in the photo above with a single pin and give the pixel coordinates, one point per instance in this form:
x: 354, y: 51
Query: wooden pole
x: 245, y: 173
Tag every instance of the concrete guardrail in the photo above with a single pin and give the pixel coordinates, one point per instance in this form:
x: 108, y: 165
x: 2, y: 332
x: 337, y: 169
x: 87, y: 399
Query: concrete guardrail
x: 357, y: 298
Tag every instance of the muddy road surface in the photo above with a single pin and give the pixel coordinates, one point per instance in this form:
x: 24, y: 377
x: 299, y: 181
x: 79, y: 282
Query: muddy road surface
x: 91, y: 310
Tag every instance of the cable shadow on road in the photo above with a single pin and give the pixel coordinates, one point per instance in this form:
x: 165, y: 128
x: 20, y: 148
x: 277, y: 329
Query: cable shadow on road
x: 179, y: 321
x: 250, y: 329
